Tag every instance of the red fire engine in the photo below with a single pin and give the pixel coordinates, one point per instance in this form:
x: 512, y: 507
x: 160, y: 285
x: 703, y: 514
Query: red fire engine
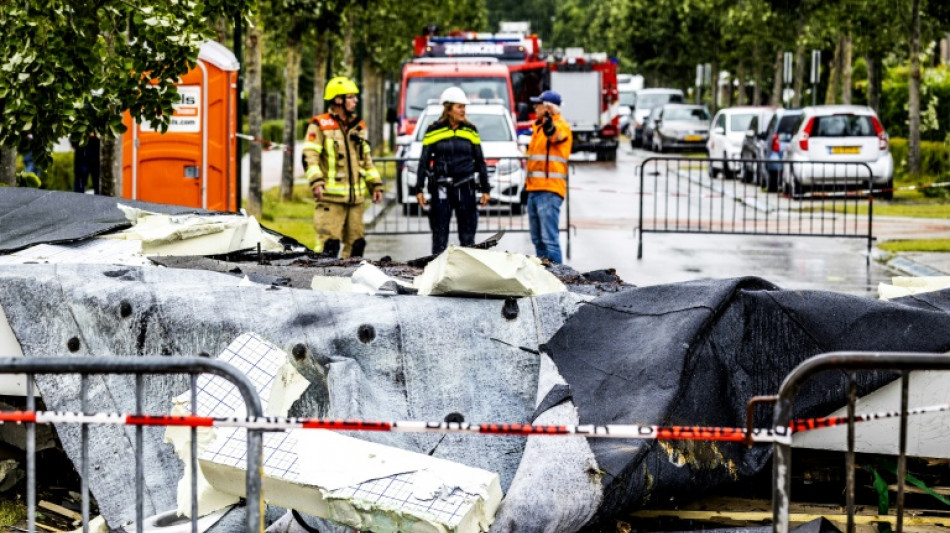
x: 587, y: 82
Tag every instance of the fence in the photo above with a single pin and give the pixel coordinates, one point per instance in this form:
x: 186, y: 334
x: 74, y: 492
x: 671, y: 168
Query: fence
x: 506, y: 211
x: 138, y: 367
x: 255, y: 423
x: 848, y: 362
x: 776, y: 198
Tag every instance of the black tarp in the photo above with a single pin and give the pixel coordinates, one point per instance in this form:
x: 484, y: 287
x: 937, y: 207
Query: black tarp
x: 33, y: 216
x: 694, y: 353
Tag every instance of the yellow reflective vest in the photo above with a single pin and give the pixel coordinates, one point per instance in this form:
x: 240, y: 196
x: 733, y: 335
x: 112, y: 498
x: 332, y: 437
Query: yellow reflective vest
x: 548, y: 156
x: 338, y: 157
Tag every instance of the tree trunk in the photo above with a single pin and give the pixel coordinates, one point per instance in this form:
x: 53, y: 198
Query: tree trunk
x: 799, y: 79
x: 371, y: 107
x: 108, y: 179
x: 776, y: 100
x: 913, y: 104
x: 834, y: 77
x: 252, y: 54
x: 740, y: 78
x: 321, y: 55
x: 714, y: 87
x: 349, y: 47
x: 846, y: 50
x: 875, y: 69
x: 292, y: 77
x: 756, y: 75
x: 8, y: 166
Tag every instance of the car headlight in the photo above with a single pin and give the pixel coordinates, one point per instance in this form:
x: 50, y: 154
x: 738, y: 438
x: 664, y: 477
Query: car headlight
x: 508, y: 166
x: 668, y: 133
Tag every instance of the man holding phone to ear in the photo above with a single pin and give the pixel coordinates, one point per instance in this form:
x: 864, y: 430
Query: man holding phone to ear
x: 548, y: 154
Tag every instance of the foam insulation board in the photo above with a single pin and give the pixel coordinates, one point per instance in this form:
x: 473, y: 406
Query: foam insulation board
x: 928, y: 435
x: 906, y: 286
x: 195, y: 234
x: 360, y: 484
x: 470, y: 271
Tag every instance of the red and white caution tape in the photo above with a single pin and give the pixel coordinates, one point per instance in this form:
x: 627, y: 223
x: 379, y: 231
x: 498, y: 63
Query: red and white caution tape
x: 617, y: 431
x: 267, y: 145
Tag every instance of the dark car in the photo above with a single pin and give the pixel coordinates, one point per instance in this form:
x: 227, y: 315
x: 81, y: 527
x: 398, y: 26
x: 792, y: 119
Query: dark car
x: 754, y: 147
x: 648, y: 126
x: 644, y: 102
x: 679, y: 127
x: 769, y: 148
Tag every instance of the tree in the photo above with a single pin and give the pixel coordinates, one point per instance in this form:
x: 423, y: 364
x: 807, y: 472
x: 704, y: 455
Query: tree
x: 60, y: 76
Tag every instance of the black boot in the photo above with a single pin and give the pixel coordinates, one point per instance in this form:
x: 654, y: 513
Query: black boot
x: 331, y: 249
x: 359, y: 246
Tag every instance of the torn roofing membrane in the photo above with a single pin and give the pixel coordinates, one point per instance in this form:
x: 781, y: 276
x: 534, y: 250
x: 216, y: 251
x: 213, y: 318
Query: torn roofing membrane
x: 33, y: 216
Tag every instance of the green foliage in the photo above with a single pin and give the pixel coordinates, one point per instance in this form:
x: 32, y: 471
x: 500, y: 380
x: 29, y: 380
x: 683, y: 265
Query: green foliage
x: 71, y: 68
x: 28, y: 179
x: 934, y: 162
x: 934, y: 103
x: 923, y: 245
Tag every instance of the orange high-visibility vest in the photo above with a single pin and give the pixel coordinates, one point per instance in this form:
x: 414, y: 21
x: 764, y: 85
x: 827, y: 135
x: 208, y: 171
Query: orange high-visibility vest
x: 547, y: 158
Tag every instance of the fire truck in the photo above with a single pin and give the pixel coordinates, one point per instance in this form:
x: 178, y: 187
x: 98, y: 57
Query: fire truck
x: 588, y: 86
x: 587, y: 82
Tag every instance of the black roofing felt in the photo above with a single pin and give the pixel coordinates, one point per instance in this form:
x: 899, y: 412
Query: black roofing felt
x: 33, y: 216
x: 693, y: 353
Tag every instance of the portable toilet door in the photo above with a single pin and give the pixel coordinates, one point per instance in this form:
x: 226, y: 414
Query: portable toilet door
x: 194, y: 163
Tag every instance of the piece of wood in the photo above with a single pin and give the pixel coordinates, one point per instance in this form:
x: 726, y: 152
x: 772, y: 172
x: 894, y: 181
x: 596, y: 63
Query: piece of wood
x: 60, y: 510
x: 49, y: 528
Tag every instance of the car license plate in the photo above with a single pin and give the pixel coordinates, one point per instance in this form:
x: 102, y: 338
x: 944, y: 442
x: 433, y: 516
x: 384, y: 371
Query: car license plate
x: 845, y: 149
x: 693, y: 138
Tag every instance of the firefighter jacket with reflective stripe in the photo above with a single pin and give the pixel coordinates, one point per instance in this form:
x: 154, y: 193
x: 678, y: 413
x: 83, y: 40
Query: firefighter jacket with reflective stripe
x: 548, y: 153
x: 451, y: 157
x: 337, y: 155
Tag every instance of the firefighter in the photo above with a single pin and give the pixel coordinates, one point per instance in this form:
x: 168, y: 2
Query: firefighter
x: 340, y: 172
x: 453, y: 165
x: 546, y: 183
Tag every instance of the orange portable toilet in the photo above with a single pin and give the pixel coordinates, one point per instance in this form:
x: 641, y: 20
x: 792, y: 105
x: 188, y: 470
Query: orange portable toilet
x: 194, y: 163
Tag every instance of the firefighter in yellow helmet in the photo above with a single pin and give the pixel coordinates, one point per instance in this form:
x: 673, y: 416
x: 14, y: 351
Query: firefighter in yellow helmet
x: 340, y: 172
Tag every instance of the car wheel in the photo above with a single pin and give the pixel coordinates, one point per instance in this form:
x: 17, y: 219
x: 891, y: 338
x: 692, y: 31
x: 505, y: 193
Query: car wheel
x: 888, y: 192
x: 771, y: 181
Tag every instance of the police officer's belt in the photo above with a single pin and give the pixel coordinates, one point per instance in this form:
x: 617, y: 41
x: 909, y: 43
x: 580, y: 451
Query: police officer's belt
x: 454, y: 182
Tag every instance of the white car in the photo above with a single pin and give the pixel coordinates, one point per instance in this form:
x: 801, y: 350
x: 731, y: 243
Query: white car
x: 726, y: 134
x: 831, y: 146
x: 503, y: 155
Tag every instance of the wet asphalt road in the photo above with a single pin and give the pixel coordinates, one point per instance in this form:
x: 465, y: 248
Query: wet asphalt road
x: 604, y: 216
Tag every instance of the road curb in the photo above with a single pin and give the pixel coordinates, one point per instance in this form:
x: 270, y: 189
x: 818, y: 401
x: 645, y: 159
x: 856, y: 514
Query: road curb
x: 907, y: 267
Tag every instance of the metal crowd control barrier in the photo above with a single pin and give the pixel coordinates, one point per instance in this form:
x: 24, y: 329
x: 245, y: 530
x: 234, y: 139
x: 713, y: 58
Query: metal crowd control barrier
x: 507, y: 210
x: 140, y: 366
x: 848, y: 362
x: 682, y: 195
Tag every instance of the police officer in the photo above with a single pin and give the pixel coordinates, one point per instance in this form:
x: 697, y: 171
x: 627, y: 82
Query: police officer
x: 452, y: 168
x: 340, y: 172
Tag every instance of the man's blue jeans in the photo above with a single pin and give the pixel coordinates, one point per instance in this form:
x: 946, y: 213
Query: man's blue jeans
x: 544, y: 215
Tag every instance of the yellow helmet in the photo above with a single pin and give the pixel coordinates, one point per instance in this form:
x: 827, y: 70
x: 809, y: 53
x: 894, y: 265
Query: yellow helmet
x: 340, y: 86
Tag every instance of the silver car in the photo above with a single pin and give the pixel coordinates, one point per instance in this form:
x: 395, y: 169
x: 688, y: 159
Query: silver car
x: 680, y: 127
x: 838, y: 146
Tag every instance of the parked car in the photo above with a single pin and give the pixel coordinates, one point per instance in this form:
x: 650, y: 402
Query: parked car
x: 645, y: 100
x: 626, y: 110
x: 503, y: 155
x: 679, y: 127
x: 768, y: 148
x: 838, y: 134
x: 725, y: 138
x: 753, y: 146
x: 648, y: 127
